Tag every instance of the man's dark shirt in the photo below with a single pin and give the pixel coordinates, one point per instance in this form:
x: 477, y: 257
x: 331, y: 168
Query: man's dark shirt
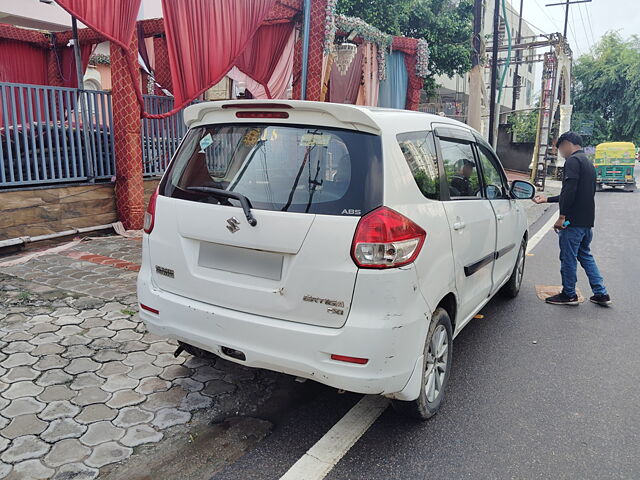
x: 576, y: 199
x: 461, y: 186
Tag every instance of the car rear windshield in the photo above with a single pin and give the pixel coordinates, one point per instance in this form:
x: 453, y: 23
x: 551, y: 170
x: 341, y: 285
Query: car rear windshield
x: 282, y: 168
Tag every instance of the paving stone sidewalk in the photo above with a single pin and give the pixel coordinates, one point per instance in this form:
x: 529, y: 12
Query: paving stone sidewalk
x: 82, y: 383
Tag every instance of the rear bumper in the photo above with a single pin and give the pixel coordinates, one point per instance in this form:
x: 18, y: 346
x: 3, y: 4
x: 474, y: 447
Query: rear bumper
x: 391, y: 340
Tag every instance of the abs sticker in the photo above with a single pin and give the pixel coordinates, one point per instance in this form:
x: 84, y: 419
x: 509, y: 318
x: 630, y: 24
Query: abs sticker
x: 351, y: 211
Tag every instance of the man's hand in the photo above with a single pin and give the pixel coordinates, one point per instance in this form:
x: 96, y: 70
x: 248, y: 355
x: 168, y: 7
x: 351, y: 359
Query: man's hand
x: 559, y: 225
x: 540, y: 199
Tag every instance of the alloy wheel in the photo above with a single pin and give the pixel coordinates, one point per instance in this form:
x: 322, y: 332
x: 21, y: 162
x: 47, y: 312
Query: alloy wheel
x: 436, y: 365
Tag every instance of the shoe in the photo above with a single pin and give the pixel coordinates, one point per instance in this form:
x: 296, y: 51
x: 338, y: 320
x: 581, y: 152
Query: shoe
x: 602, y: 300
x: 562, y: 299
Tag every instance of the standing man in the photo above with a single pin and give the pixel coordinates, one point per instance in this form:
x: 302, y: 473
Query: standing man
x: 575, y: 223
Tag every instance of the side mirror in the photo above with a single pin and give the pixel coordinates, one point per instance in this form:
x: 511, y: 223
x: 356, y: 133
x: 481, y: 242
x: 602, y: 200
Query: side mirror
x: 522, y: 190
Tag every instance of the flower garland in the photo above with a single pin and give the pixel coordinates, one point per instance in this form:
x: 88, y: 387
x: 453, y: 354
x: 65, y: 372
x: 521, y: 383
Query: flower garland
x: 99, y: 59
x: 336, y: 22
x: 329, y: 26
x: 422, y: 64
x: 369, y: 34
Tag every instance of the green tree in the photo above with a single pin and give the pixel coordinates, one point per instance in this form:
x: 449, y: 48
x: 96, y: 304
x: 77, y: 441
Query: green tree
x: 446, y: 24
x: 607, y: 89
x: 523, y: 126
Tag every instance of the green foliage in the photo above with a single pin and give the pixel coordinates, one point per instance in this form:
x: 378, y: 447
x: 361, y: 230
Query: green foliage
x: 429, y: 186
x: 446, y: 24
x: 523, y: 126
x: 608, y: 89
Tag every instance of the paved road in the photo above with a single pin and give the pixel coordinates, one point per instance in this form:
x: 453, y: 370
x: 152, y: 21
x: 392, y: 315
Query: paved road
x: 536, y: 392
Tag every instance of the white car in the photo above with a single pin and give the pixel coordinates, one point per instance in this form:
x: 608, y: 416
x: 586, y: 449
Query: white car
x: 343, y: 244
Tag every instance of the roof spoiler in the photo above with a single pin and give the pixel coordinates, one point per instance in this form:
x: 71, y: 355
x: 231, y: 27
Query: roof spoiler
x: 348, y: 114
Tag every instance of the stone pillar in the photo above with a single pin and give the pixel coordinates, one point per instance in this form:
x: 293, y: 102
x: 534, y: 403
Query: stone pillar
x: 565, y: 126
x: 127, y: 138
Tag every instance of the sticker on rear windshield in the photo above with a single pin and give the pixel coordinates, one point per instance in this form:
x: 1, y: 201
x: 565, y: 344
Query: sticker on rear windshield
x: 205, y: 142
x: 315, y: 139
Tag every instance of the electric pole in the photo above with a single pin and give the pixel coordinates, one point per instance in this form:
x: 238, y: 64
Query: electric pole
x: 518, y: 59
x: 474, y: 118
x: 567, y: 4
x: 494, y: 74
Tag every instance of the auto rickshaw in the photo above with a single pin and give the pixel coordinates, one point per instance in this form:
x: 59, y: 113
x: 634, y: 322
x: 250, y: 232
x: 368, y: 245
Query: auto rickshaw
x: 614, y: 162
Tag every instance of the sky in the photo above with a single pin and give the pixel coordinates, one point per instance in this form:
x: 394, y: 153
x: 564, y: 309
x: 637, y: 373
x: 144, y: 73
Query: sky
x: 587, y: 21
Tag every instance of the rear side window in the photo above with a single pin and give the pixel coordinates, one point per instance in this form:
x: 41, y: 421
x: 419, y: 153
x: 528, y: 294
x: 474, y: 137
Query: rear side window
x: 281, y: 168
x: 420, y: 153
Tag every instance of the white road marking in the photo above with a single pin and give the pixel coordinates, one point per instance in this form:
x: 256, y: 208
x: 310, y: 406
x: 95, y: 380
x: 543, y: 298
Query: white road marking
x: 535, y: 239
x: 327, y: 452
x: 320, y: 459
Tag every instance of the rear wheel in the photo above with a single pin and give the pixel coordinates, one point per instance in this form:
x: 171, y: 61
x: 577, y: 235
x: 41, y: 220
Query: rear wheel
x: 512, y: 287
x: 599, y: 187
x: 437, y: 365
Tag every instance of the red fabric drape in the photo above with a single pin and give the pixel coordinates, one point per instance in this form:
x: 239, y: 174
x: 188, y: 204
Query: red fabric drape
x: 22, y: 63
x: 205, y: 38
x: 344, y: 88
x: 162, y: 70
x: 260, y: 59
x: 414, y: 87
x: 68, y: 64
x: 116, y: 20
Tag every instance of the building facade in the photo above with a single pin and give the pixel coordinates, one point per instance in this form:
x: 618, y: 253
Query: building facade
x: 452, y: 96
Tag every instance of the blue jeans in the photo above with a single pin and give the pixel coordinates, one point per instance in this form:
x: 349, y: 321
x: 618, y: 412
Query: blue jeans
x: 574, y: 248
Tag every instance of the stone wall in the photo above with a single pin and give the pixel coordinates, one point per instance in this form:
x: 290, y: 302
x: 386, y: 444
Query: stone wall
x: 49, y: 210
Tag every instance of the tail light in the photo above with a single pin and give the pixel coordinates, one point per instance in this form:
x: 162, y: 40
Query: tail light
x: 386, y: 239
x: 150, y: 214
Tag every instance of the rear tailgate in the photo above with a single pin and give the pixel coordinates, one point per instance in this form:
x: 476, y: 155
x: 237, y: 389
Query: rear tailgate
x: 308, y: 187
x: 268, y: 270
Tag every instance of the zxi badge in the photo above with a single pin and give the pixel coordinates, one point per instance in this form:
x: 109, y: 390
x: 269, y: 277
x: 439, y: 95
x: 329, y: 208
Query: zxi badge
x: 233, y: 224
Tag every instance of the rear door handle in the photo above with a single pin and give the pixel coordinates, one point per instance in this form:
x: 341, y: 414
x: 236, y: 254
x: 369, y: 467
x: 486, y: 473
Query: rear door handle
x: 459, y: 225
x: 499, y: 217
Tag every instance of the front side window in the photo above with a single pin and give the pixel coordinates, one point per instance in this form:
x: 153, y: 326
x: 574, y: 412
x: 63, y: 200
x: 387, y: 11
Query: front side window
x: 460, y: 168
x: 420, y: 153
x: 495, y: 187
x: 282, y: 168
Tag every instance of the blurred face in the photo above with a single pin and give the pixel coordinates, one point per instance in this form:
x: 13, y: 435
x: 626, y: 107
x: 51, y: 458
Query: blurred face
x: 467, y: 170
x: 566, y: 149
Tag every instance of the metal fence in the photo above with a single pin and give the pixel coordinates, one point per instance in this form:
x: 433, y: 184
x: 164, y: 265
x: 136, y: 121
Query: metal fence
x: 160, y: 138
x: 47, y: 136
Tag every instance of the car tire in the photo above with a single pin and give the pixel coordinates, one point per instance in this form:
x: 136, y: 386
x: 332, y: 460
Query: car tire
x: 512, y: 287
x: 437, y: 367
x: 599, y: 187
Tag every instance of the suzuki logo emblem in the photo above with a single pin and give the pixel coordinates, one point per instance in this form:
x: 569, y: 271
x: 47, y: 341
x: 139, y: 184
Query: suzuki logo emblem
x: 233, y: 224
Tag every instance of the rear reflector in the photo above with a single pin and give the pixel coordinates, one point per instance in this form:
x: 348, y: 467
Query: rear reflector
x: 262, y: 115
x: 344, y: 358
x: 149, y: 309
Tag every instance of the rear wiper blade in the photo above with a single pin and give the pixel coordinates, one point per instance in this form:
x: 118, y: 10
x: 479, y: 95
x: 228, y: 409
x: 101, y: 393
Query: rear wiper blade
x: 244, y: 201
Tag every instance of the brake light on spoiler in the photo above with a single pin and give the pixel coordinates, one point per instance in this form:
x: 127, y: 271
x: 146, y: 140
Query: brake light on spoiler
x: 262, y: 115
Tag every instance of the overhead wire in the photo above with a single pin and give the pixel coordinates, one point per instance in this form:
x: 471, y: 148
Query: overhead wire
x: 593, y: 37
x: 546, y: 14
x: 584, y: 28
x: 572, y: 28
